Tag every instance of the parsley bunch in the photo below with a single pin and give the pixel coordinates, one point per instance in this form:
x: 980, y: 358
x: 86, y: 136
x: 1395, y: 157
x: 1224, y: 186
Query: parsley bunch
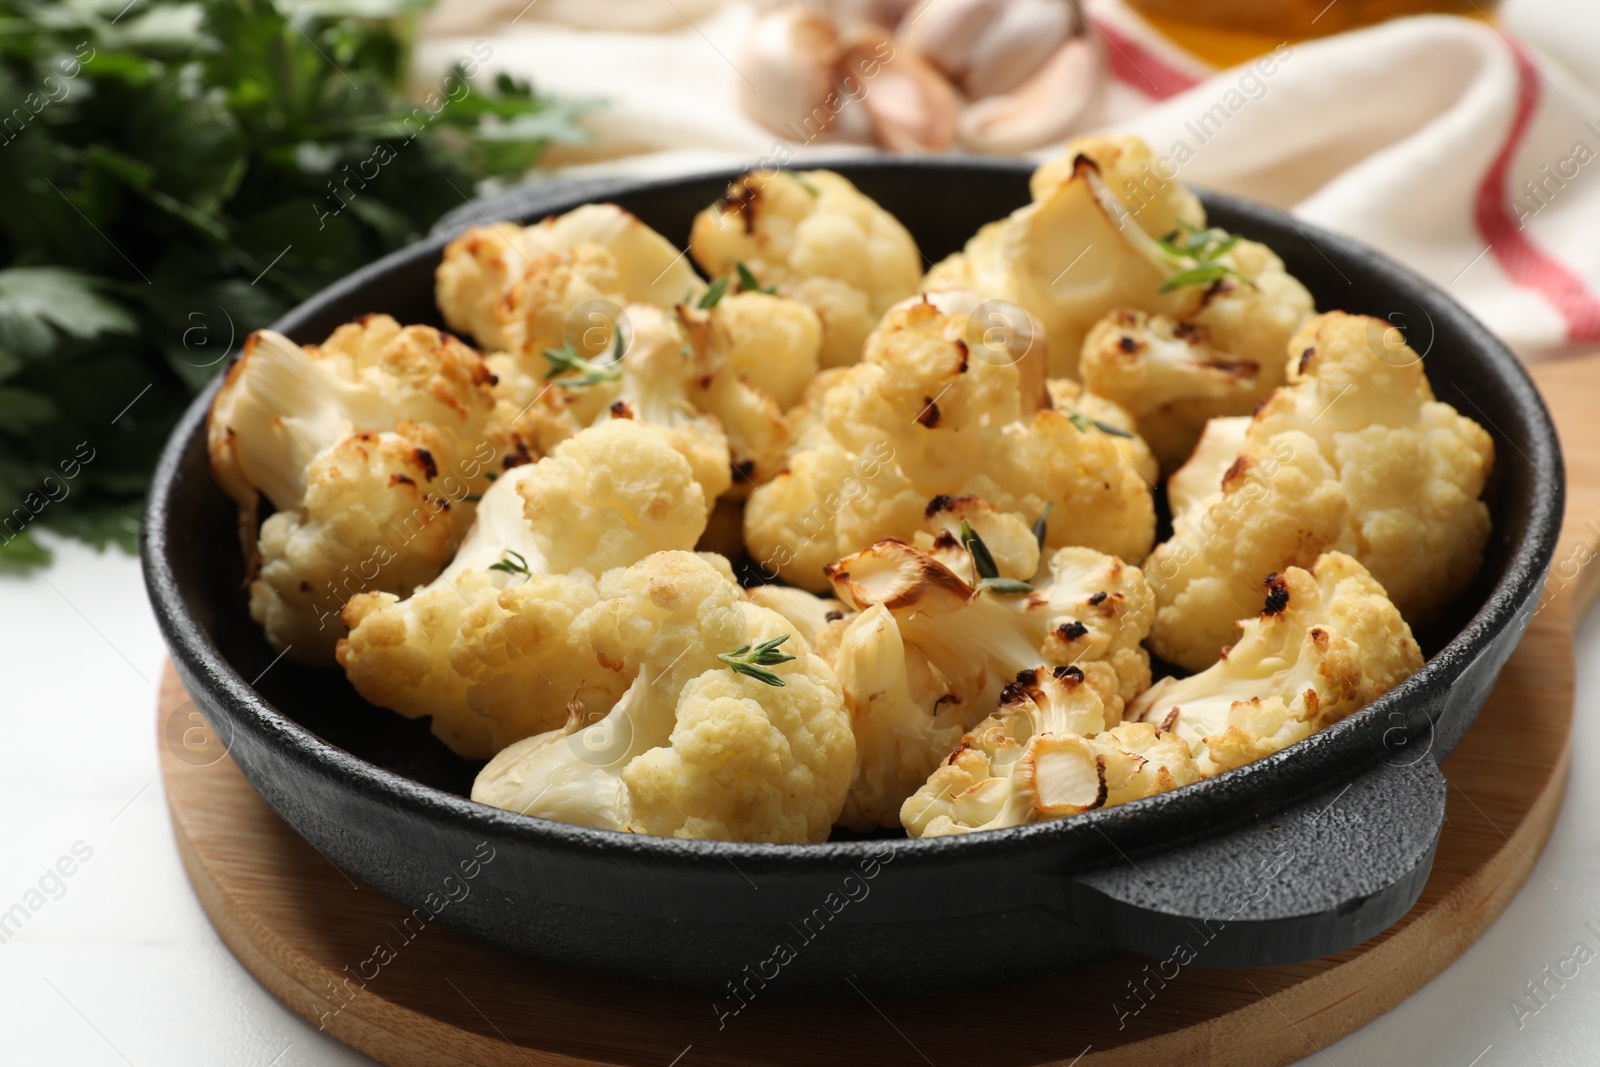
x: 181, y: 173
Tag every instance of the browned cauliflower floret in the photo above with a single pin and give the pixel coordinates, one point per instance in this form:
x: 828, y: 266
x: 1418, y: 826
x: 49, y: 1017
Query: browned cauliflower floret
x: 770, y: 341
x: 515, y: 288
x: 730, y: 728
x: 816, y: 238
x: 370, y: 447
x: 1328, y: 643
x: 923, y: 417
x: 1131, y: 172
x: 1106, y: 232
x: 929, y: 653
x: 1045, y: 754
x: 1111, y: 419
x: 679, y: 369
x: 1353, y: 455
x: 1175, y: 373
x: 496, y: 648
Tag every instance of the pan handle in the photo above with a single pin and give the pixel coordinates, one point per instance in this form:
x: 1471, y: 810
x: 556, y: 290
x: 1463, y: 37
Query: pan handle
x: 1314, y: 879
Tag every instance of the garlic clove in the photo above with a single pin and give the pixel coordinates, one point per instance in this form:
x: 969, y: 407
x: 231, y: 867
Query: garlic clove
x: 1042, y: 109
x: 947, y: 31
x: 788, y: 60
x: 911, y: 105
x: 1014, y: 45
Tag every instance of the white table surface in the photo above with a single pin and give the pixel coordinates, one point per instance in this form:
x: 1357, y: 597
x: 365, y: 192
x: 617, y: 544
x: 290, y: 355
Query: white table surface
x: 120, y: 966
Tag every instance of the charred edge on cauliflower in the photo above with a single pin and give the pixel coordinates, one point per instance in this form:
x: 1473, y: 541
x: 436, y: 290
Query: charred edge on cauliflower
x: 518, y: 458
x: 1277, y: 594
x: 929, y: 416
x: 1071, y: 631
x: 741, y: 198
x: 1026, y: 687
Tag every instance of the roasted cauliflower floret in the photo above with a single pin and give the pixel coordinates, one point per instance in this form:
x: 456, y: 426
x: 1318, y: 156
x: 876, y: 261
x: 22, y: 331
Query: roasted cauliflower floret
x: 497, y: 647
x: 770, y: 341
x: 1132, y: 173
x: 923, y: 417
x: 515, y: 288
x: 1355, y: 455
x: 1328, y: 643
x: 370, y: 447
x: 1045, y: 754
x: 1175, y: 373
x: 816, y: 238
x: 929, y: 653
x: 1106, y: 232
x: 694, y: 747
x: 657, y: 380
x: 899, y: 714
x: 1010, y: 544
x: 1108, y: 418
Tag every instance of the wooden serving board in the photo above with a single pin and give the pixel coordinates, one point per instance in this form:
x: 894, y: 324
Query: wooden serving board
x: 309, y: 933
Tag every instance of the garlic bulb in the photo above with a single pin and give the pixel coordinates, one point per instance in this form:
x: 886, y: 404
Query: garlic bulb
x: 1042, y: 109
x: 788, y: 65
x: 988, y: 46
x: 911, y: 105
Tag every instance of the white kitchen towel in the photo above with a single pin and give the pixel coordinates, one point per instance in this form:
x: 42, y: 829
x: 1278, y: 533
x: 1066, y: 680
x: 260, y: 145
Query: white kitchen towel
x: 1449, y: 144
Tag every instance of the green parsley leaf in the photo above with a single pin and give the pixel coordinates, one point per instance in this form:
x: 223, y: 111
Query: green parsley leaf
x: 216, y: 162
x: 22, y: 552
x: 752, y: 660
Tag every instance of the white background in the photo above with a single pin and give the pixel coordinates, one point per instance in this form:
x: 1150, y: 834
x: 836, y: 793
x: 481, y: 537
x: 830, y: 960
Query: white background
x: 124, y: 968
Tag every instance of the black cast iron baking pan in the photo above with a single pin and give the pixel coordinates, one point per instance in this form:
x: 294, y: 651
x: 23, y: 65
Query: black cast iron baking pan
x: 1306, y: 852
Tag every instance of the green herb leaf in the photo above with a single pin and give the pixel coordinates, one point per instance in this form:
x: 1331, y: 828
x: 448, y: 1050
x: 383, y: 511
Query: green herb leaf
x: 216, y: 162
x: 22, y: 552
x: 804, y: 183
x: 1041, y: 525
x: 1205, y: 274
x: 1201, y: 245
x: 983, y: 564
x: 749, y: 282
x: 38, y: 303
x: 752, y: 660
x: 714, y: 294
x: 1084, y: 423
x: 565, y: 360
x: 513, y: 562
x: 1005, y: 586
